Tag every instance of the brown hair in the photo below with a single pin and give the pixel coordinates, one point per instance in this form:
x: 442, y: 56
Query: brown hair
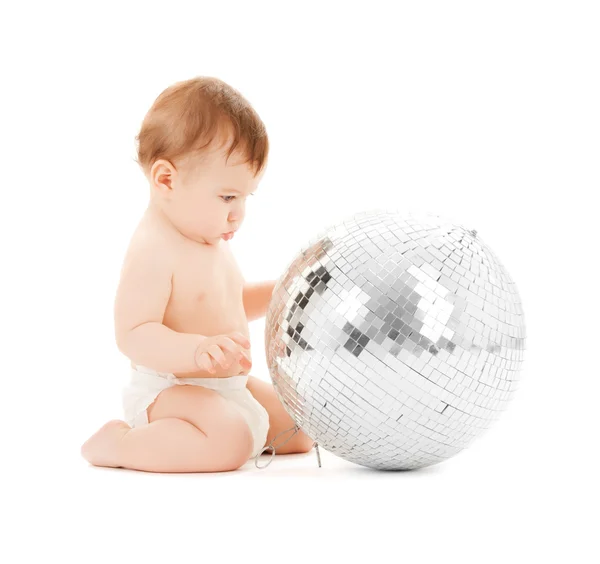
x: 189, y: 115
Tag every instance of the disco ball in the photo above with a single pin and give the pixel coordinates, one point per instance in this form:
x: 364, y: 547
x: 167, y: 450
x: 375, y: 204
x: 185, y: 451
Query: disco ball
x: 394, y: 340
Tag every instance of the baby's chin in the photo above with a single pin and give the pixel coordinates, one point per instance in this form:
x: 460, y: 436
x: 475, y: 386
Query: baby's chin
x: 213, y: 241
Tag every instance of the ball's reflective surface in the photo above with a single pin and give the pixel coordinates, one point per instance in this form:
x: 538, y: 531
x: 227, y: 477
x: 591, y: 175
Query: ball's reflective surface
x: 394, y: 340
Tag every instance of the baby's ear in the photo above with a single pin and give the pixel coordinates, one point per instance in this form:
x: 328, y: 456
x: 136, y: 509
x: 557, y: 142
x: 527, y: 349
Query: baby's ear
x: 162, y: 175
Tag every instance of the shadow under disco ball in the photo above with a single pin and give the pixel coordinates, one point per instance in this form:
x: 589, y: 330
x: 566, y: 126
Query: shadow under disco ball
x: 393, y: 341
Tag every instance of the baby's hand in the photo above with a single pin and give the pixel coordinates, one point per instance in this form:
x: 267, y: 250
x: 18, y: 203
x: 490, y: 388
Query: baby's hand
x: 212, y: 350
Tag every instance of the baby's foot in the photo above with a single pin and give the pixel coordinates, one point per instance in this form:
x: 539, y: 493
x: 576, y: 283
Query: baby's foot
x: 101, y: 449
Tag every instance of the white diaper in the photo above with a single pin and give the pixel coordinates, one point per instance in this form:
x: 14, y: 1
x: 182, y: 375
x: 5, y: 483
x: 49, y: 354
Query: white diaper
x: 145, y: 384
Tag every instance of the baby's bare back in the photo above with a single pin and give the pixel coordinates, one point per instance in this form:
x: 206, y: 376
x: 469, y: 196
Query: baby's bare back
x: 207, y: 286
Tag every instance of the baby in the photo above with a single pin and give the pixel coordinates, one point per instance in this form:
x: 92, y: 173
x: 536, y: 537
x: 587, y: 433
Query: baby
x: 182, y: 306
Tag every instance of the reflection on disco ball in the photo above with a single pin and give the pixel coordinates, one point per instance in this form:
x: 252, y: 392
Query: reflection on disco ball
x: 393, y: 341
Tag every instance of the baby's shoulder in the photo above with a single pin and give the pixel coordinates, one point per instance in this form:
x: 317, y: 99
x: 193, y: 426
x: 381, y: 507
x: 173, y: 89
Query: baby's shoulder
x: 148, y: 244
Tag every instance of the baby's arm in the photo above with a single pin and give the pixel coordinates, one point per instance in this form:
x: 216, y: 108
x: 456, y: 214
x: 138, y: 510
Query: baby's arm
x: 142, y: 296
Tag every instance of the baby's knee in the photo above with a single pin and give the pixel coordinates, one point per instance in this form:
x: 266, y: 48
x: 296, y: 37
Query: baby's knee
x: 234, y: 449
x: 224, y: 426
x: 240, y: 441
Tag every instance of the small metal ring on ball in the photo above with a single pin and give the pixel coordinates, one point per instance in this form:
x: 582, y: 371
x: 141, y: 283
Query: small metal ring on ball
x: 262, y: 452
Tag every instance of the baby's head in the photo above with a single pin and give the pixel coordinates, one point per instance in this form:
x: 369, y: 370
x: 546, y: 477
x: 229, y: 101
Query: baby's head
x: 204, y: 150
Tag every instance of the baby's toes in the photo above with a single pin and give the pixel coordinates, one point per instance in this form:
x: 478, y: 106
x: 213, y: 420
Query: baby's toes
x: 101, y: 448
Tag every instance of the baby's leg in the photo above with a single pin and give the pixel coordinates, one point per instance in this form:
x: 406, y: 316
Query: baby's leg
x: 191, y: 429
x: 165, y: 445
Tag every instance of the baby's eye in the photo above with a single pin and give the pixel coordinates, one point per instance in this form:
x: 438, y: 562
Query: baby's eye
x: 227, y: 201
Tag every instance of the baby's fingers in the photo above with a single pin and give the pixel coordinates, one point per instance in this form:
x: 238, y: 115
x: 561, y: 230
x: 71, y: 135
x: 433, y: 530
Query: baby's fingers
x: 245, y: 361
x: 228, y: 344
x: 218, y: 355
x: 240, y: 339
x: 205, y: 363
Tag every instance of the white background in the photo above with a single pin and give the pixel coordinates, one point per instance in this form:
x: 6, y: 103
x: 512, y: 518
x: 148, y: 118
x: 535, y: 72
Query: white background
x: 485, y: 112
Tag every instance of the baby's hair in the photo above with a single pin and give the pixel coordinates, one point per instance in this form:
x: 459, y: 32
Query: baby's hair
x: 190, y: 115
